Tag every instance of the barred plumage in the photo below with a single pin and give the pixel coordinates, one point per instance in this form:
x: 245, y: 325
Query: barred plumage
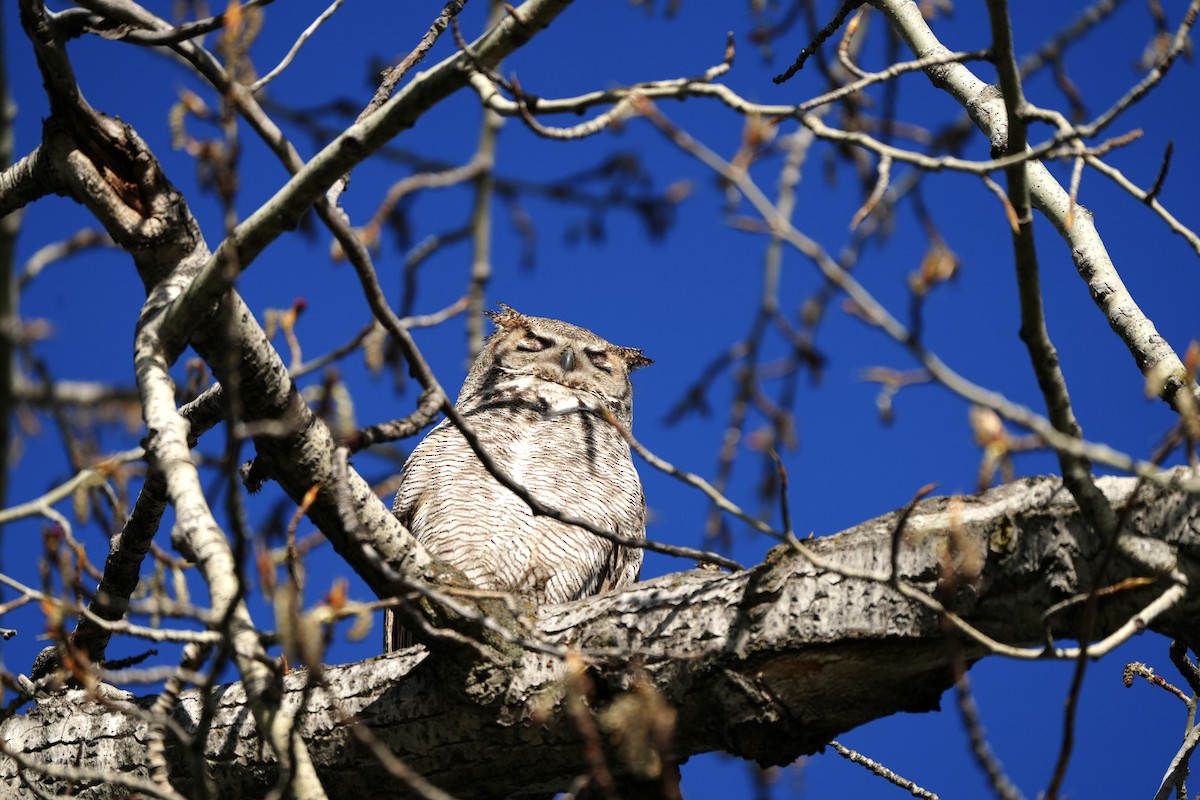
x: 533, y: 396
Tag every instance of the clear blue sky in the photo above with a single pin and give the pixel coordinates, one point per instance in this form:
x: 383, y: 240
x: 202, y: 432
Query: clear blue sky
x: 684, y: 299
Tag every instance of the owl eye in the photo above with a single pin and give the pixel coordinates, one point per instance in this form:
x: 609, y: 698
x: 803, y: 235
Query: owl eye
x: 532, y: 344
x: 600, y: 361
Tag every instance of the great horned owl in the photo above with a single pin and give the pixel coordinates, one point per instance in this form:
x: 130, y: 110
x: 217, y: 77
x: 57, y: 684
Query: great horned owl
x: 532, y: 396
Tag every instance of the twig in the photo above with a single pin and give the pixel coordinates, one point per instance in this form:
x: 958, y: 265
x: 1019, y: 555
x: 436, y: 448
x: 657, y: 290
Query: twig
x: 1178, y: 768
x: 481, y: 226
x: 113, y: 626
x: 843, y: 50
x: 884, y: 172
x: 1189, y: 671
x: 695, y: 481
x: 300, y: 40
x: 893, y: 71
x: 1139, y: 670
x: 1092, y: 261
x: 882, y: 771
x: 1117, y: 177
x: 821, y: 37
x: 427, y: 408
x: 1161, y: 178
x: 84, y: 479
x: 136, y: 34
x: 1090, y: 612
x: 1073, y: 191
x: 611, y: 118
x: 1179, y: 43
x: 785, y: 512
x: 393, y: 76
x: 194, y: 656
x: 493, y: 75
x: 1053, y: 49
x: 79, y: 241
x: 999, y: 781
x: 340, y: 352
x: 898, y: 529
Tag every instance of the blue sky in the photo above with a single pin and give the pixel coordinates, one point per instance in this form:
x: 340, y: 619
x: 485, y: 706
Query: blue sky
x: 684, y: 298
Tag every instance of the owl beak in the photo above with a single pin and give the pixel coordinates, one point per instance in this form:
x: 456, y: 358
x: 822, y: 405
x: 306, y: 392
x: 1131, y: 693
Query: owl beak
x: 567, y: 359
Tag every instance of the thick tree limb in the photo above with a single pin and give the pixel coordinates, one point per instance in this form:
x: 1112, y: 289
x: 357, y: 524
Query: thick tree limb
x: 26, y: 181
x: 767, y: 664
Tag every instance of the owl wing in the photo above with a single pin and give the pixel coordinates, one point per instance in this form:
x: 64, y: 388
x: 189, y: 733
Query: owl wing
x: 415, y: 474
x: 444, y: 491
x: 614, y: 502
x: 624, y: 566
x: 416, y: 478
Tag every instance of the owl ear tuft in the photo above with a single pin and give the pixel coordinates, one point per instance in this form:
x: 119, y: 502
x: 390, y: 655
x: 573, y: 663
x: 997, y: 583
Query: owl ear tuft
x: 634, y: 358
x: 507, y: 317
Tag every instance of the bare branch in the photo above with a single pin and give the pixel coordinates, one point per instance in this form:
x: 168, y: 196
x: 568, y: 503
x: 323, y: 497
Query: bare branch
x: 882, y: 771
x: 305, y: 35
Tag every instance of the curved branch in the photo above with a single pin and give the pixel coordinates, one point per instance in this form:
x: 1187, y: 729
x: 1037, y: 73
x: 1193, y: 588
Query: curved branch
x: 26, y: 181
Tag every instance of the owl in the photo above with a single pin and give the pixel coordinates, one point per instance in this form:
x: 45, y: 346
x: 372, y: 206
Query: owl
x: 534, y: 397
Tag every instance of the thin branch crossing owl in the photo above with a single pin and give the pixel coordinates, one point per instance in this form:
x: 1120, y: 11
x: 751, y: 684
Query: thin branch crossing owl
x: 533, y: 396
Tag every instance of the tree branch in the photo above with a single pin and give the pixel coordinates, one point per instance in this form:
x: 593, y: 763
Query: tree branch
x: 1153, y: 355
x: 766, y: 664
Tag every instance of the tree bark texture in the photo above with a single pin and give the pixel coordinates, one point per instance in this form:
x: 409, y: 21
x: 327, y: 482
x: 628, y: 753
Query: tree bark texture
x: 767, y: 664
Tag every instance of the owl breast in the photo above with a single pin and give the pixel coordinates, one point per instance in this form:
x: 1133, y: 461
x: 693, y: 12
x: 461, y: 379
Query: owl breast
x: 568, y: 458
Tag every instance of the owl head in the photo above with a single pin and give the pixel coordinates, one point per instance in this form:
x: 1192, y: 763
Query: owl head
x: 551, y: 362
